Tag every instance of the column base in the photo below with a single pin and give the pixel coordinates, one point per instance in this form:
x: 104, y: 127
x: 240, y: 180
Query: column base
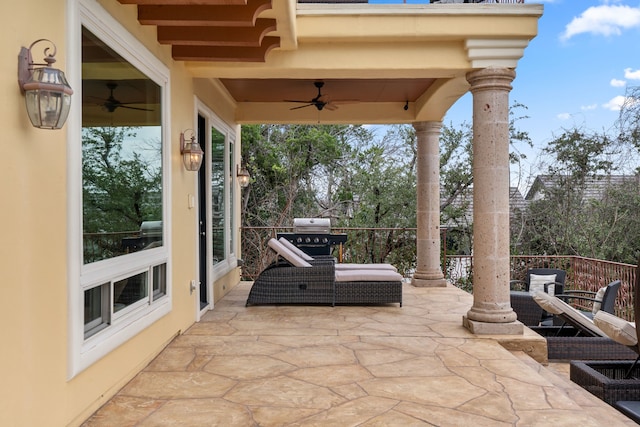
x: 428, y: 283
x: 486, y: 328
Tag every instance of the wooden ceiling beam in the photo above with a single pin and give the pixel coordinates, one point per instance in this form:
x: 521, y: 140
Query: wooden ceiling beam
x: 203, y: 15
x: 217, y: 36
x: 225, y: 53
x: 186, y: 2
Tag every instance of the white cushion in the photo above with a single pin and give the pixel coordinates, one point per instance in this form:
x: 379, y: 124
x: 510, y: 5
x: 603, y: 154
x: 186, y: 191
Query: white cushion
x: 616, y: 328
x: 339, y: 266
x: 555, y: 305
x: 353, y: 266
x: 285, y: 253
x: 599, y: 296
x: 367, y: 275
x: 296, y: 250
x: 537, y: 281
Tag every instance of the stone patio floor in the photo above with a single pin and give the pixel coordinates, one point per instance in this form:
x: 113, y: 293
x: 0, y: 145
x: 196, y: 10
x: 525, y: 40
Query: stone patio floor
x: 413, y: 365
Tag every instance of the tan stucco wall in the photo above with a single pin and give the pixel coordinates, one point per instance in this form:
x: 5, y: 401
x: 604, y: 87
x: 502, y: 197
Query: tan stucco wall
x: 33, y: 230
x: 33, y: 189
x: 34, y: 256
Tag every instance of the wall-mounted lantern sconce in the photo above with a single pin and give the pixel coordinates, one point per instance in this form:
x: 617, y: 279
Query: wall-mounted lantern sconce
x: 243, y: 176
x: 191, y: 152
x: 47, y: 92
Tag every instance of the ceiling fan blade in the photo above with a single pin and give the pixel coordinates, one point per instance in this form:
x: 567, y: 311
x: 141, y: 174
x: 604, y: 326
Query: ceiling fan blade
x: 133, y: 108
x: 302, y: 106
x: 330, y: 106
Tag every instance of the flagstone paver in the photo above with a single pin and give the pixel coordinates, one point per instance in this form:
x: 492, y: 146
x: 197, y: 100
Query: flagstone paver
x: 414, y: 365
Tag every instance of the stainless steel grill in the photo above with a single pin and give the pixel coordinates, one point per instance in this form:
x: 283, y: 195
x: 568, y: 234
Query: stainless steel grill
x: 313, y: 235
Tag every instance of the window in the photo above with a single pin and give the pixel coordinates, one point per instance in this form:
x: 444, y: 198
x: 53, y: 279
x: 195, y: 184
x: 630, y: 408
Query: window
x: 96, y: 309
x: 121, y: 155
x: 122, y: 174
x: 222, y: 197
x: 218, y: 195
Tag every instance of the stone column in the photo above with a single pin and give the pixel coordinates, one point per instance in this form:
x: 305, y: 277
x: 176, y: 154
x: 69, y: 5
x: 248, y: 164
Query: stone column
x: 491, y: 312
x: 428, y: 271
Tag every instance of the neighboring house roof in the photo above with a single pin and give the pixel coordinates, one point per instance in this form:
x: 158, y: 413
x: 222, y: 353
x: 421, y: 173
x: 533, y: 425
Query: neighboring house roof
x: 464, y: 200
x: 594, y: 187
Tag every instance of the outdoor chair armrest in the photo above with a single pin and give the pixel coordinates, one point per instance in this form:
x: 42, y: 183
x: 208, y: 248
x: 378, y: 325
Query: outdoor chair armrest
x: 566, y: 297
x: 577, y: 291
x: 518, y: 285
x: 558, y: 287
x: 583, y: 303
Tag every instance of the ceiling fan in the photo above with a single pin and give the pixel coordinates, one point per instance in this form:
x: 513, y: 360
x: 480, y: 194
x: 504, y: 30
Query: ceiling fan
x: 110, y: 104
x: 320, y: 101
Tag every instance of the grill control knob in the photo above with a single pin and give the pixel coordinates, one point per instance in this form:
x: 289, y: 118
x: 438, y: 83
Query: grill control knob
x: 325, y: 240
x: 316, y: 240
x: 307, y: 240
x: 299, y: 239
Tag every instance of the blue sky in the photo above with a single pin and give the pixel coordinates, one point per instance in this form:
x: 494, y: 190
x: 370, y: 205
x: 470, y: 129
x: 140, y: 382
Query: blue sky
x: 575, y: 72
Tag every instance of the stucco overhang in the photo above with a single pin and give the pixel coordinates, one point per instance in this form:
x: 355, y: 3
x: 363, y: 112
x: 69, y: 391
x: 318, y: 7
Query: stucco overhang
x: 395, y: 63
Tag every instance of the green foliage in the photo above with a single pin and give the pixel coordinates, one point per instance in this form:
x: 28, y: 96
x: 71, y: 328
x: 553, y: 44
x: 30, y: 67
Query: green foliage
x: 579, y: 154
x: 384, y: 194
x: 570, y: 217
x: 122, y: 187
x: 118, y: 192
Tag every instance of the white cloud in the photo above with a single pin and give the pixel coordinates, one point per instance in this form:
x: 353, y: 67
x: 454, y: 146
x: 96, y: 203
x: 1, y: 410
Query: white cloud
x: 589, y: 107
x: 615, y: 103
x: 604, y: 20
x: 564, y: 116
x: 617, y: 83
x: 631, y: 74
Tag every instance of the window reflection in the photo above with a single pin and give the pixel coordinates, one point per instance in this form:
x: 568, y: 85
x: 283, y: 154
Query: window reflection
x: 218, y: 194
x: 129, y: 291
x: 121, y: 155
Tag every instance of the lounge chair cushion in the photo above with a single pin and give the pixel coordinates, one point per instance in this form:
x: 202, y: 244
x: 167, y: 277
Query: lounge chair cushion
x: 339, y: 266
x: 368, y: 275
x: 537, y: 281
x: 616, y: 328
x: 599, y: 297
x: 287, y: 254
x: 354, y: 266
x: 555, y: 305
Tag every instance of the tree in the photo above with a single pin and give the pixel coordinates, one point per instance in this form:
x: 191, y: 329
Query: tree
x: 573, y: 220
x: 383, y: 185
x: 297, y: 171
x: 345, y: 173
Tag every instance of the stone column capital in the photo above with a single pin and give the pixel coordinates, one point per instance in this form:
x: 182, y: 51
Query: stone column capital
x: 432, y: 126
x: 492, y: 78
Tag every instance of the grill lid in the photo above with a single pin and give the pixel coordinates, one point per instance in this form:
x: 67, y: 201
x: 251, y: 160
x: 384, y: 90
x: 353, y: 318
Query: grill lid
x: 312, y: 225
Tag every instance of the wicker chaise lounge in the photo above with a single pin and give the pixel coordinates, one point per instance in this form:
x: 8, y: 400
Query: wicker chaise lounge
x: 292, y: 280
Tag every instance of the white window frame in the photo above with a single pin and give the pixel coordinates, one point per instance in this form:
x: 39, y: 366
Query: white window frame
x: 83, y: 352
x: 230, y: 261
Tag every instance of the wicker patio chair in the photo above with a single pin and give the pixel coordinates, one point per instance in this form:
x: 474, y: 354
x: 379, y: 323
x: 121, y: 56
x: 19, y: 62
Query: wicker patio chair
x: 528, y: 311
x: 604, y: 299
x: 537, y: 279
x: 541, y: 279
